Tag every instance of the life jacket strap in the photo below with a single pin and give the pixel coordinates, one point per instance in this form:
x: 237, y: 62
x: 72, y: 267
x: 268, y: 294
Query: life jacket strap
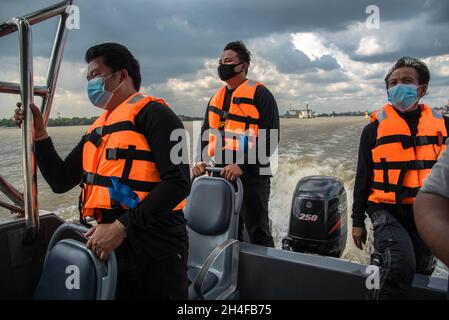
x: 238, y: 100
x: 409, y: 141
x: 95, y: 135
x: 409, y: 165
x: 117, y: 153
x: 405, y: 192
x: 104, y: 181
x: 224, y: 115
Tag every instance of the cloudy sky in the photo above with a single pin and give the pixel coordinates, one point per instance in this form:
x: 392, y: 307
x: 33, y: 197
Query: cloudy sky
x: 320, y: 52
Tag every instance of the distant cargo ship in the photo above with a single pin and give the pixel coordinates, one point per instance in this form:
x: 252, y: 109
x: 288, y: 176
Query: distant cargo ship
x: 302, y: 113
x: 444, y: 109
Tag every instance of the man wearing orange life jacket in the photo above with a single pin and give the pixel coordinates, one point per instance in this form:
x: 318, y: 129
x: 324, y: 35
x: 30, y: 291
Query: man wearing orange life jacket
x: 397, y: 152
x: 241, y: 119
x: 129, y: 183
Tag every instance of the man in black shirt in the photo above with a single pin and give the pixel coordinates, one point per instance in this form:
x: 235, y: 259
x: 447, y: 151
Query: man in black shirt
x: 397, y: 150
x: 150, y: 239
x: 237, y: 117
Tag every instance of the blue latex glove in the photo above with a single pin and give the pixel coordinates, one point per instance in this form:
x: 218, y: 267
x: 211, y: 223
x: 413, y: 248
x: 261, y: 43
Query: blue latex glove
x: 243, y: 141
x: 122, y: 193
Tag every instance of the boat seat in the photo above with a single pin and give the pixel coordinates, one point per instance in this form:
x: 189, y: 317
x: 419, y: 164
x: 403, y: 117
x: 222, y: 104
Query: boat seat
x: 209, y: 282
x: 73, y: 272
x: 212, y: 213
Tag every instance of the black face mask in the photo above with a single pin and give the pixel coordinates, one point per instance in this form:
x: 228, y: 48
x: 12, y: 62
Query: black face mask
x: 226, y: 71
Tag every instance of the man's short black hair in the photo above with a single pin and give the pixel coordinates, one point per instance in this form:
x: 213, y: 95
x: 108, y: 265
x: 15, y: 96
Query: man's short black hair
x: 117, y: 57
x: 418, y: 65
x: 243, y: 53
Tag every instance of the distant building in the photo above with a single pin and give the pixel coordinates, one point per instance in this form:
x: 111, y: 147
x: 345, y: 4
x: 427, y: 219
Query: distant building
x: 306, y: 113
x: 300, y: 113
x: 292, y: 113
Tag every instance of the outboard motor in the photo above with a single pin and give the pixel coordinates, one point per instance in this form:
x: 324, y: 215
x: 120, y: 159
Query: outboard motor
x: 318, y: 217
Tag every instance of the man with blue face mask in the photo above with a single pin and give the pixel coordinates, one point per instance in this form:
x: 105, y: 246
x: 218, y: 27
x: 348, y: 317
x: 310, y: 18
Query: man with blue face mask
x: 397, y: 152
x: 130, y: 185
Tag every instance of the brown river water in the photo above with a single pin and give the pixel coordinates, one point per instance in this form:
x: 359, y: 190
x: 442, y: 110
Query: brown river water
x: 319, y: 146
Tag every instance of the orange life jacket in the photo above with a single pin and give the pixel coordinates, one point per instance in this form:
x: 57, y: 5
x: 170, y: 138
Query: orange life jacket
x: 115, y: 148
x: 402, y: 161
x: 240, y: 121
x: 373, y: 116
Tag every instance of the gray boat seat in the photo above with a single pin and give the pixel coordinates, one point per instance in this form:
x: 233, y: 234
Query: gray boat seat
x: 210, y: 281
x: 73, y: 272
x: 212, y: 213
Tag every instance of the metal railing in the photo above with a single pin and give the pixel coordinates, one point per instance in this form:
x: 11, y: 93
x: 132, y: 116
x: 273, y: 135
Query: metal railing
x: 27, y: 202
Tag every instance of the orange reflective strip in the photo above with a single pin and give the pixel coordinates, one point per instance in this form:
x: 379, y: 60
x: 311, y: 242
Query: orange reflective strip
x: 181, y: 205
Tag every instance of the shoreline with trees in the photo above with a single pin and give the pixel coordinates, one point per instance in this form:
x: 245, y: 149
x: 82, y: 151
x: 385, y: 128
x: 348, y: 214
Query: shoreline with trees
x: 76, y: 121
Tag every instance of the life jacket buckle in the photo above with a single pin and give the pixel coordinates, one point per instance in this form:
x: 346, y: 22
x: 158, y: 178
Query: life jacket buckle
x: 408, y: 142
x: 95, y: 138
x: 418, y: 165
x: 223, y: 119
x: 89, y: 178
x: 99, y: 130
x: 421, y: 141
x: 440, y: 138
x: 222, y: 125
x: 112, y: 154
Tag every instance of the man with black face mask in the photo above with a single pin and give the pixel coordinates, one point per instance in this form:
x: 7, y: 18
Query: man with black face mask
x: 397, y: 151
x: 241, y: 120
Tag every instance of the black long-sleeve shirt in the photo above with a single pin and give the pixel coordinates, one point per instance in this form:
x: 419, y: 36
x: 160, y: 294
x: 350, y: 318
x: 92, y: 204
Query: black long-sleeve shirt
x: 364, y: 175
x: 267, y: 107
x: 152, y: 226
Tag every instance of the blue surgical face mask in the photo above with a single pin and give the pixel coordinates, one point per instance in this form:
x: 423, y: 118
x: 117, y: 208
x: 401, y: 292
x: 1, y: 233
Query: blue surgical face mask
x: 97, y: 93
x: 403, y: 96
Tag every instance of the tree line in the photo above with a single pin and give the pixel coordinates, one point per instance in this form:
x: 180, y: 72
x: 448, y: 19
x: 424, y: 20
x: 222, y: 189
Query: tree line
x: 57, y: 122
x: 76, y: 121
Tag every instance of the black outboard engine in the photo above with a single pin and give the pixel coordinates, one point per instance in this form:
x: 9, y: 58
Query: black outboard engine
x: 318, y: 217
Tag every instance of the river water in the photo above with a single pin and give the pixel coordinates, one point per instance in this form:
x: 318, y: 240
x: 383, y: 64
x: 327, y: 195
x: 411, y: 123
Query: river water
x: 320, y: 146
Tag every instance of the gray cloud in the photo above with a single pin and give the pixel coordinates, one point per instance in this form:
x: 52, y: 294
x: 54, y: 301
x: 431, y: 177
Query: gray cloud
x: 174, y: 38
x: 281, y: 51
x: 198, y: 29
x: 419, y: 42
